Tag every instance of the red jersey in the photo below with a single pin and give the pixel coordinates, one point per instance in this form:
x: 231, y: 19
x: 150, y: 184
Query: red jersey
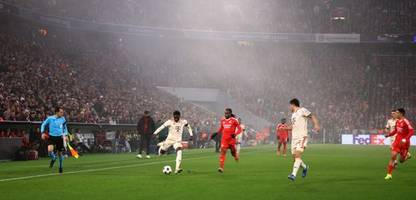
x: 228, y: 127
x: 282, y: 131
x: 403, y: 129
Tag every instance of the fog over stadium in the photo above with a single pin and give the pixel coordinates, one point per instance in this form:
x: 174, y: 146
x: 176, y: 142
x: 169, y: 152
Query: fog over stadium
x: 106, y: 62
x: 260, y: 75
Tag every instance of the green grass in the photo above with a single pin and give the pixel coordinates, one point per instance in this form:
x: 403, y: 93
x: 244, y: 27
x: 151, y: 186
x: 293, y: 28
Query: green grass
x: 337, y: 172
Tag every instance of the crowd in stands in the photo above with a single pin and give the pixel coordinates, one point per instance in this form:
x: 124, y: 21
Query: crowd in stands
x: 392, y: 86
x: 114, y: 80
x: 97, y: 87
x: 91, y: 88
x: 335, y: 81
x: 293, y: 16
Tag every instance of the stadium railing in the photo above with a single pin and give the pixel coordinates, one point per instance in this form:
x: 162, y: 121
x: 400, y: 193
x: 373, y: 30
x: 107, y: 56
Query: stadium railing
x: 29, y: 136
x: 71, y: 125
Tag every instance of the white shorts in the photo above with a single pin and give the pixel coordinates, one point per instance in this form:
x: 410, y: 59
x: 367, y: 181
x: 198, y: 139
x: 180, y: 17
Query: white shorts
x: 299, y: 145
x: 168, y: 143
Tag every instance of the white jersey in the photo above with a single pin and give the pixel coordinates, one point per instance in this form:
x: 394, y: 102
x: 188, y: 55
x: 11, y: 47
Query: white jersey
x: 241, y: 135
x: 175, y: 129
x: 300, y: 123
x: 391, y: 124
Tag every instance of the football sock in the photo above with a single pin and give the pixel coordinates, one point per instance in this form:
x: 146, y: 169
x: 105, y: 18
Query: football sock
x: 52, y: 155
x: 302, y: 164
x: 296, y: 166
x: 178, y: 159
x: 390, y: 169
x: 222, y: 157
x: 61, y: 160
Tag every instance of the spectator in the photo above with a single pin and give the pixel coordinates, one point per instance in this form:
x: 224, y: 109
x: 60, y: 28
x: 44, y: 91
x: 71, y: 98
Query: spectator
x: 145, y: 127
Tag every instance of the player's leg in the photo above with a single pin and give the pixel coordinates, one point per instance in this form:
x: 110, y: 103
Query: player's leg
x: 139, y: 155
x: 296, y: 165
x: 234, y: 151
x: 61, y: 161
x: 390, y: 166
x: 52, y: 148
x: 163, y: 147
x: 51, y: 154
x: 148, y: 146
x: 396, y: 162
x: 404, y: 154
x: 409, y: 155
x: 223, y: 153
x: 284, y: 147
x: 178, y: 148
x: 61, y: 149
x: 298, y: 148
x: 279, y: 145
x: 178, y: 168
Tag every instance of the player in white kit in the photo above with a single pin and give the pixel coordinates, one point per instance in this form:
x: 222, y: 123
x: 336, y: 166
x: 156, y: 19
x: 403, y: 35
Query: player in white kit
x: 176, y: 126
x: 391, y: 124
x: 299, y: 127
x: 239, y: 137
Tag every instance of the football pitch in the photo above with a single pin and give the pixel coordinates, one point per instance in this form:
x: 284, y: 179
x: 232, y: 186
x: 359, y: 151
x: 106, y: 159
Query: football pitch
x: 336, y: 172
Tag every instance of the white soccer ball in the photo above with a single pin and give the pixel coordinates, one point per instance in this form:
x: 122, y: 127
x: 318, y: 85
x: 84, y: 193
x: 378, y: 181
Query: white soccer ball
x: 167, y: 170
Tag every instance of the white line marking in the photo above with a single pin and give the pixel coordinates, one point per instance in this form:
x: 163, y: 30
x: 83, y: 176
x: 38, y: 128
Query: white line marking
x: 94, y: 170
x: 104, y: 169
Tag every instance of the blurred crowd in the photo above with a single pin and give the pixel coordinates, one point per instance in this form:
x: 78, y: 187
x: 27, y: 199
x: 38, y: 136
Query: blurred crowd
x: 108, y: 78
x: 300, y: 16
x: 340, y: 82
x: 392, y: 85
x: 94, y: 88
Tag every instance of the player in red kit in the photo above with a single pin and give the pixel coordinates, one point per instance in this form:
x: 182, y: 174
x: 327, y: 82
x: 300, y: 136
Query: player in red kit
x: 282, y: 134
x: 403, y: 132
x: 229, y: 128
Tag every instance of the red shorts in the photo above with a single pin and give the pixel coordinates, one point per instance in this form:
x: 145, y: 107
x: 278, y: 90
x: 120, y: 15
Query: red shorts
x: 400, y: 148
x: 282, y: 138
x: 228, y: 143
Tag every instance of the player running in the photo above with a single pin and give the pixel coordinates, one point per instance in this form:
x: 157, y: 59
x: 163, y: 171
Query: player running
x: 282, y: 134
x: 299, y: 127
x: 403, y: 132
x: 57, y: 136
x: 390, y: 125
x: 176, y: 126
x: 239, y: 137
x: 229, y: 128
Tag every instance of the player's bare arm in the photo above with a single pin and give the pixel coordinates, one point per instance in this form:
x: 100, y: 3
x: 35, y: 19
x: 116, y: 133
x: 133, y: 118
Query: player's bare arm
x: 189, y: 131
x: 159, y: 129
x: 315, y: 121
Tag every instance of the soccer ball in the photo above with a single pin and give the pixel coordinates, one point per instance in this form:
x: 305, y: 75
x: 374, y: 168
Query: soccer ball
x: 167, y: 170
